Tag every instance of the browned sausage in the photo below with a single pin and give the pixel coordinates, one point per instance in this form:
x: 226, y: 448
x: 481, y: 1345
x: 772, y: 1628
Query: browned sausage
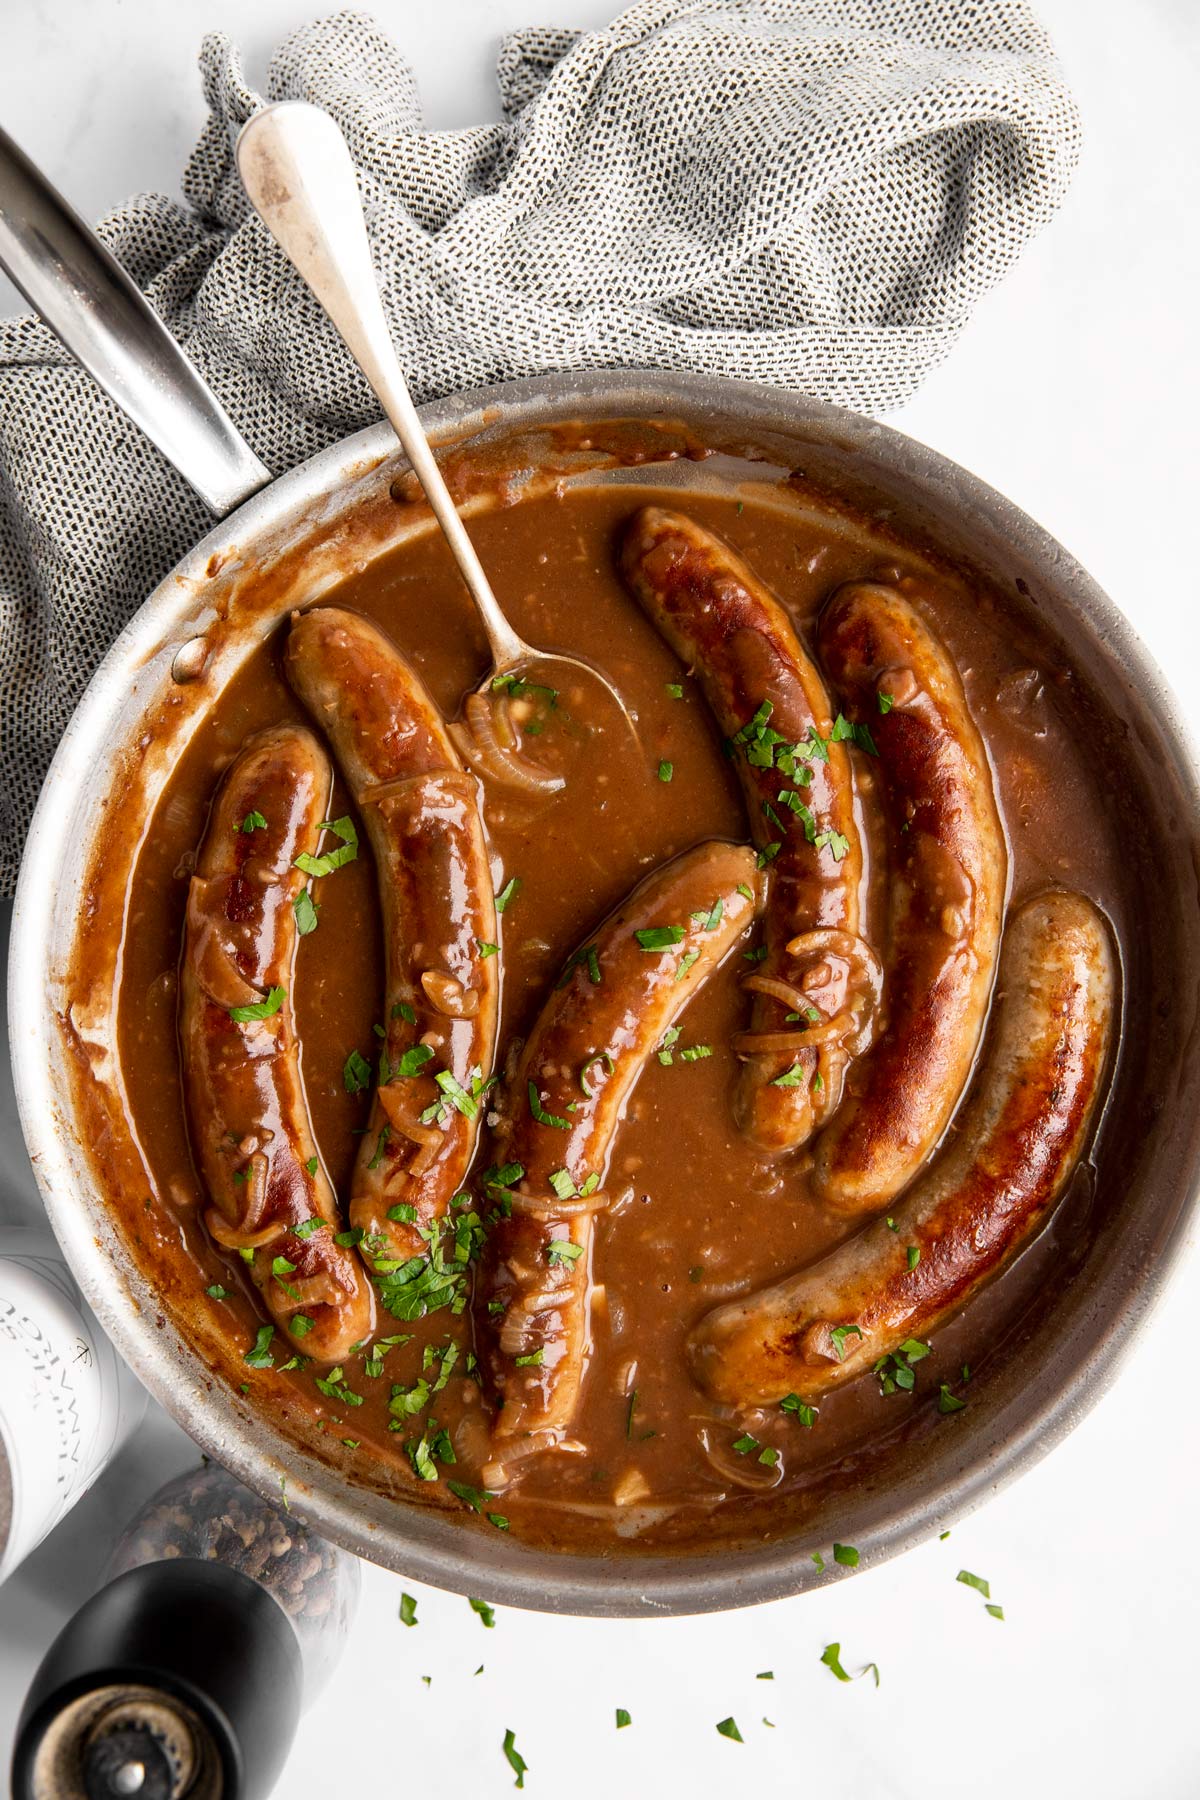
x: 250, y: 1129
x: 442, y: 981
x: 948, y: 871
x: 1019, y: 1141
x: 620, y: 992
x: 814, y: 992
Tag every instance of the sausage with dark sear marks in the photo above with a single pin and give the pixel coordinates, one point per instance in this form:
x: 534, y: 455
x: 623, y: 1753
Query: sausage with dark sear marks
x: 421, y: 813
x: 815, y: 989
x: 1011, y: 1156
x: 619, y: 993
x: 250, y: 1129
x: 948, y: 870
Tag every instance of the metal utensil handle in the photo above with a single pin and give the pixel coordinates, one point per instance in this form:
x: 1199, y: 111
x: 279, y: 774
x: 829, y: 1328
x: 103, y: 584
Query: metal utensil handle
x: 84, y: 295
x: 300, y: 178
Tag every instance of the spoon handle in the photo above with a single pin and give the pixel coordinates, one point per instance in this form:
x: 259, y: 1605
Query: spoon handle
x: 297, y: 171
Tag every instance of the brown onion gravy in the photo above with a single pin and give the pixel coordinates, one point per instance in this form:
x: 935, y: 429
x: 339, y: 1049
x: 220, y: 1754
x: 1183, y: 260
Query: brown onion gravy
x: 699, y: 1216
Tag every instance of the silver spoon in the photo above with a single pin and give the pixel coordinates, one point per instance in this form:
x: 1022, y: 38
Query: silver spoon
x: 299, y: 176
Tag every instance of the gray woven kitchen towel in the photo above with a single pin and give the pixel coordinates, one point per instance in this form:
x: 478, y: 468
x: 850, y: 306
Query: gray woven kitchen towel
x: 809, y: 192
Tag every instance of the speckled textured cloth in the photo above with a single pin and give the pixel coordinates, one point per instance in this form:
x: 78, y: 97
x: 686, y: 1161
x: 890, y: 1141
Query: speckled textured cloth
x: 807, y: 192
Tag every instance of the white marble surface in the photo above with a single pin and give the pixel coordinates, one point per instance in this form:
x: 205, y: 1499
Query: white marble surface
x: 1075, y: 390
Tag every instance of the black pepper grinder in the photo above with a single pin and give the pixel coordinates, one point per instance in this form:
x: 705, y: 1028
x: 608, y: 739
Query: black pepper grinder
x: 183, y: 1677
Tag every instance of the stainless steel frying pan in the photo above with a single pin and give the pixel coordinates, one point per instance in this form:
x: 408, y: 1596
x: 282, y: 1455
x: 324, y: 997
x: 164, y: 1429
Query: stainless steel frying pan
x: 289, y: 537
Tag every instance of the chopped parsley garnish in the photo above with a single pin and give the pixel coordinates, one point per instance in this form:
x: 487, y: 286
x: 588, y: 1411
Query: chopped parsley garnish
x: 411, y: 1063
x: 385, y: 1132
x: 623, y: 1718
x: 587, y: 954
x: 259, y: 1355
x: 608, y: 1063
x: 792, y: 1077
x: 312, y: 1165
x: 356, y: 1073
x: 844, y: 732
x: 217, y: 1292
x: 253, y: 821
x: 948, y: 1402
x: 456, y: 1094
x: 541, y: 1116
x: 630, y: 1410
x: 259, y: 1009
x: 300, y: 1324
x: 563, y: 1183
x: 886, y: 702
x: 728, y: 1729
x: 913, y: 1255
x: 408, y: 1610
x: 746, y: 892
x: 839, y: 1334
x: 765, y: 1454
x: 475, y: 1498
x: 819, y: 1561
x: 837, y: 845
x: 306, y: 912
x: 486, y: 950
x: 403, y: 1213
x: 799, y: 1409
x: 532, y: 1359
x: 346, y: 851
x: 685, y: 963
x: 767, y: 854
x: 516, y: 1761
x: 659, y: 937
x: 896, y: 1371
x: 845, y: 1554
x: 508, y: 893
x: 349, y: 1240
x: 696, y: 1052
x: 308, y: 1227
x: 486, y: 1613
x: 675, y: 689
x: 334, y: 1388
x: 665, y: 770
x: 281, y: 1266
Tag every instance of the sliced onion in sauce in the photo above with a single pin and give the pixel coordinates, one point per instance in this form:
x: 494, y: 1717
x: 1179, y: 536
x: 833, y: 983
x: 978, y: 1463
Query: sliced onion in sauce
x: 482, y: 743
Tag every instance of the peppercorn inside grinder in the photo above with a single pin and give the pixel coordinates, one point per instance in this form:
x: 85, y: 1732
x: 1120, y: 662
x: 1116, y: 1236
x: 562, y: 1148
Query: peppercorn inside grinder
x: 183, y: 1677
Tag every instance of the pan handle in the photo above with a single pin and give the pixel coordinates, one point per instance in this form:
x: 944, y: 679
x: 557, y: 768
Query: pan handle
x: 84, y: 295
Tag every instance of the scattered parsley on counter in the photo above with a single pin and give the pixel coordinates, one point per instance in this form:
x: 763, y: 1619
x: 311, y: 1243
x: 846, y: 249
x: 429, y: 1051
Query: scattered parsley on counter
x: 623, y: 1718
x: 486, y: 1613
x: 728, y: 1729
x: 516, y: 1761
x: 831, y: 1656
x: 408, y: 1610
x: 977, y: 1582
